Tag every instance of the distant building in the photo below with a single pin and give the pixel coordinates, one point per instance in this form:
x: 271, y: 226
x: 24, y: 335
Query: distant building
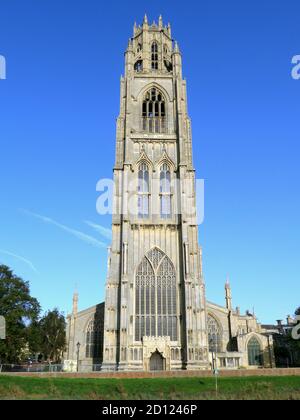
x: 286, y: 350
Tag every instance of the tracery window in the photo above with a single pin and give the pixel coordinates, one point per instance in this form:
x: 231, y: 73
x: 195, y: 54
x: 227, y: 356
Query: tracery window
x: 214, y: 334
x: 154, y: 112
x: 143, y: 191
x: 94, y: 339
x: 156, y: 297
x: 154, y: 56
x: 254, y: 352
x: 165, y: 192
x: 155, y: 256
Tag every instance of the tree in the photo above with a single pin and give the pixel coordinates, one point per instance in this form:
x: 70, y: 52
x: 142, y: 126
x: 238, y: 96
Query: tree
x: 52, y: 332
x: 34, y: 337
x: 20, y: 309
x: 297, y: 312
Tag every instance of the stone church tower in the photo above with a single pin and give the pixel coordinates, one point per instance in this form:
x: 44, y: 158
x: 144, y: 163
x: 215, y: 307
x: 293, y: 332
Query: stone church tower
x: 155, y: 315
x: 155, y: 308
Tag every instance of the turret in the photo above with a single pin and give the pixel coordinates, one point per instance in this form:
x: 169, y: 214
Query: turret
x: 75, y: 303
x: 160, y: 22
x: 145, y: 23
x: 228, y: 296
x: 177, y: 61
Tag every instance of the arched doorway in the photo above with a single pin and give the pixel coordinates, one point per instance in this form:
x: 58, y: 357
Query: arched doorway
x: 157, y: 362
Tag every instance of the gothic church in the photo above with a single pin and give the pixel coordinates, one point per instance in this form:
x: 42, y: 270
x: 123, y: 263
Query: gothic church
x: 155, y: 315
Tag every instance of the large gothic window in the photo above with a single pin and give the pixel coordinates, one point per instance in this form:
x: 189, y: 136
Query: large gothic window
x: 143, y: 191
x: 154, y: 112
x: 214, y: 334
x: 145, y: 323
x: 94, y: 339
x: 156, y: 297
x: 165, y: 192
x: 154, y: 56
x: 254, y: 352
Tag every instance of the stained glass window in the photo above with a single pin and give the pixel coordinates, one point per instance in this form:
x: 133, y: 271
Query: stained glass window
x: 156, y: 297
x: 94, y: 339
x: 145, y: 301
x: 254, y: 352
x: 214, y: 334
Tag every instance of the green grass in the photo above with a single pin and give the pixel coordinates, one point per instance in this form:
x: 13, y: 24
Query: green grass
x: 271, y: 388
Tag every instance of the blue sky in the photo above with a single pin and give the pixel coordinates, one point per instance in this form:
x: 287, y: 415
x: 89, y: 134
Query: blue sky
x: 57, y: 139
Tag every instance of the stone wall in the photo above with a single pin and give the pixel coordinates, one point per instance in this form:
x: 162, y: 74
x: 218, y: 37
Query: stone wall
x: 168, y: 374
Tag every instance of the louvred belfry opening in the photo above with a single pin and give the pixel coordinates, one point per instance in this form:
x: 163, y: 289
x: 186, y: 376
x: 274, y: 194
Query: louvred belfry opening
x: 154, y: 112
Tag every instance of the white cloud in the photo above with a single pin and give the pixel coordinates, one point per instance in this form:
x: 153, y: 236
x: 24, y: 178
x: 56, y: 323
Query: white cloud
x: 79, y: 235
x: 106, y: 233
x: 20, y: 258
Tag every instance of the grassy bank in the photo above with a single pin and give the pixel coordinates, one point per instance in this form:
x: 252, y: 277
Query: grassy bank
x: 287, y: 387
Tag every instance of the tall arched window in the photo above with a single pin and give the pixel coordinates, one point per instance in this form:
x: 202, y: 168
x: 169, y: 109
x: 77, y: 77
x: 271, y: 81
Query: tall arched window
x: 254, y: 352
x: 94, y: 339
x: 154, y: 112
x: 154, y: 56
x: 145, y: 301
x: 214, y: 335
x: 156, y: 297
x: 166, y: 300
x: 143, y: 191
x: 165, y: 192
